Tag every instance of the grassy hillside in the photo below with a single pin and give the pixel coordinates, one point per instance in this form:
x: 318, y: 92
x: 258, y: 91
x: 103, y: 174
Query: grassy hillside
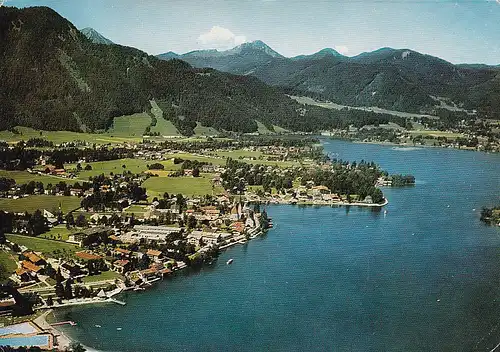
x: 131, y: 125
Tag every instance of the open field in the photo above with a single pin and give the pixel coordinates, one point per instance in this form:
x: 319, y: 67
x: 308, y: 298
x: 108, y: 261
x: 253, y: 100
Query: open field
x: 49, y: 248
x: 424, y: 133
x: 59, y: 232
x: 201, y: 130
x: 262, y: 129
x: 136, y: 166
x: 137, y: 210
x: 114, y: 166
x: 7, y: 265
x: 330, y: 105
x: 59, y: 137
x: 279, y: 129
x: 103, y: 276
x: 24, y: 177
x: 165, y: 127
x: 32, y: 203
x: 130, y: 125
x: 188, y: 186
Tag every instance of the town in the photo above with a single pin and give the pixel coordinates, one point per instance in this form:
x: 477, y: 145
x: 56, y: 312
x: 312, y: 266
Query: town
x: 82, y: 224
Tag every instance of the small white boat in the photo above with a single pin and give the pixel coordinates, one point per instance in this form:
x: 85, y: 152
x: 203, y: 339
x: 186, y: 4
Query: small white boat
x: 230, y: 261
x: 139, y: 289
x: 118, y: 329
x: 97, y: 325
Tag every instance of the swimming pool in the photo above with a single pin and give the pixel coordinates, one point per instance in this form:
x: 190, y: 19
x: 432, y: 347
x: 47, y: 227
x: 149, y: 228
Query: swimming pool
x: 28, y: 341
x: 23, y: 328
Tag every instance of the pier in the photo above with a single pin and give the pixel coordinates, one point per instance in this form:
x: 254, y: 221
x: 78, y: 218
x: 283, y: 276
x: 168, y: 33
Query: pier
x: 69, y: 322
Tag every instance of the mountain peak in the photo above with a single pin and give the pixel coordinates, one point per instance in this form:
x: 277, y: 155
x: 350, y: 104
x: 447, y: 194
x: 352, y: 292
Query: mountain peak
x: 257, y: 45
x: 326, y: 52
x: 95, y: 36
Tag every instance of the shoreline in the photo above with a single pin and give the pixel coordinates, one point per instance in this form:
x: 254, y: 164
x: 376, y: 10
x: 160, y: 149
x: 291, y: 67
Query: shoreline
x: 64, y: 341
x: 321, y: 203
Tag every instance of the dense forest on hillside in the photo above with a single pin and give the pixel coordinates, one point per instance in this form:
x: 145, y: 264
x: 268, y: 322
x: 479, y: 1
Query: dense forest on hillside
x: 54, y: 78
x: 396, y: 79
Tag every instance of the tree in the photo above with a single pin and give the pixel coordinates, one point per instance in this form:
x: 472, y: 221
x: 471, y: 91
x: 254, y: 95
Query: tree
x: 76, y: 347
x: 191, y: 222
x: 144, y: 262
x: 81, y: 221
x: 59, y: 287
x: 68, y: 291
x: 49, y: 270
x: 37, y: 223
x: 70, y: 220
x: 88, y: 167
x: 181, y: 202
x: 196, y: 172
x: 50, y: 301
x: 377, y: 196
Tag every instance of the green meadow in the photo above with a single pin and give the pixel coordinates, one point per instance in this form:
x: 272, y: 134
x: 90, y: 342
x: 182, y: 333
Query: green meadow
x: 56, y: 249
x: 188, y: 186
x: 24, y: 177
x: 32, y: 203
x: 130, y: 125
x: 59, y: 137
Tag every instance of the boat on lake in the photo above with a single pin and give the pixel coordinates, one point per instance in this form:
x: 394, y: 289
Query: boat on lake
x: 230, y: 261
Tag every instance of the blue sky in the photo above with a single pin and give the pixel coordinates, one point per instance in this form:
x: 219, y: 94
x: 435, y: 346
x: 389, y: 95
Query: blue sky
x: 457, y: 31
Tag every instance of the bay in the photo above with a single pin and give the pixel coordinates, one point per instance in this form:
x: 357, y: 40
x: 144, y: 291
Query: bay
x: 423, y: 277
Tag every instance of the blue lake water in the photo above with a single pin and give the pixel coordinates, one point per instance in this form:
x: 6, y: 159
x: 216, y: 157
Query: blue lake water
x: 424, y: 277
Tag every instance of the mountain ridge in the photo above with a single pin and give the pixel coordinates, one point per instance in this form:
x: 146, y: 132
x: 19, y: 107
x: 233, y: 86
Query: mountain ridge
x: 396, y: 79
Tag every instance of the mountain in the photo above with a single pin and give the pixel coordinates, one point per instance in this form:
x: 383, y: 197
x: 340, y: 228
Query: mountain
x: 168, y: 56
x: 396, y: 79
x: 55, y: 78
x: 319, y: 55
x: 95, y: 36
x: 242, y: 59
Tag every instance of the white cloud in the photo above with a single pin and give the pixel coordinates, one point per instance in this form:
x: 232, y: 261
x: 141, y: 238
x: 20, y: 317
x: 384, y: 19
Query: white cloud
x: 342, y: 49
x: 220, y: 38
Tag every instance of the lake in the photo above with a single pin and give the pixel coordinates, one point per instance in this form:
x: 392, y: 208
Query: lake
x: 423, y: 277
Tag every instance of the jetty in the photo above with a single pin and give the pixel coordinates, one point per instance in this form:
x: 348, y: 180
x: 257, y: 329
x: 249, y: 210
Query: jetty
x: 114, y: 300
x: 69, y: 322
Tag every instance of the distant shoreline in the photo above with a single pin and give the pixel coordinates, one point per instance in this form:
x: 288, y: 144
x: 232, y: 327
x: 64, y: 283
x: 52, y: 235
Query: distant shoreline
x: 322, y: 203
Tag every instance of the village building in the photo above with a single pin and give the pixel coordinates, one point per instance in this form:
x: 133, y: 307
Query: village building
x: 87, y: 256
x: 80, y: 236
x: 31, y: 268
x: 121, y: 266
x: 155, y: 254
x: 152, y: 233
x: 23, y: 276
x: 34, y: 258
x: 122, y: 252
x: 70, y: 270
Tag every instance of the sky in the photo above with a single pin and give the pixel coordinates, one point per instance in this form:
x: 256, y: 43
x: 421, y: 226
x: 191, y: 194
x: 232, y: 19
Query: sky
x: 460, y: 31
